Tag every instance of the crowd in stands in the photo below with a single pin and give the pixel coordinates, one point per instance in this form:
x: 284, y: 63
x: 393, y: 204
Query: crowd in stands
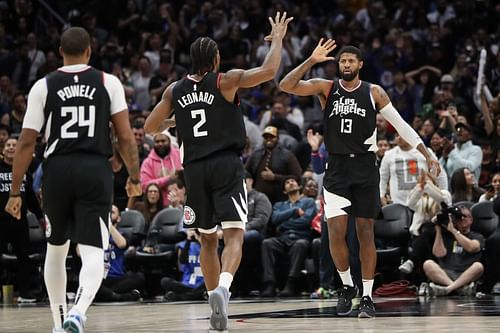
x: 424, y: 53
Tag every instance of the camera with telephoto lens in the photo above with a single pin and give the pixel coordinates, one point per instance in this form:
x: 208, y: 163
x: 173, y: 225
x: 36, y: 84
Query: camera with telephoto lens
x: 442, y: 216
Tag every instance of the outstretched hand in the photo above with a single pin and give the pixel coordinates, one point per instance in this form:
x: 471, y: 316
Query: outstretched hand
x: 320, y: 53
x: 314, y: 139
x: 278, y: 26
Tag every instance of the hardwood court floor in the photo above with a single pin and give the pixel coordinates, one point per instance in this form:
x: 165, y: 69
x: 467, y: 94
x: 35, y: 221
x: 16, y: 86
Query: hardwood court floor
x: 296, y: 315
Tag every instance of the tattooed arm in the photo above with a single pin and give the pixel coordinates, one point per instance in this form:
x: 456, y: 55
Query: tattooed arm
x: 293, y: 83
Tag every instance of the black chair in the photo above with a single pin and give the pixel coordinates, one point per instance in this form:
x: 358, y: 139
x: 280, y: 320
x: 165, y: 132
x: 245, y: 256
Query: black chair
x: 162, y: 236
x: 393, y: 232
x: 132, y: 225
x: 485, y: 219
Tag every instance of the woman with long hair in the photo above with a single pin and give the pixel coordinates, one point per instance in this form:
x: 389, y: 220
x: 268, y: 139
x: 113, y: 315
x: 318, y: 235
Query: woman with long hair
x: 463, y: 186
x: 152, y: 203
x: 425, y: 200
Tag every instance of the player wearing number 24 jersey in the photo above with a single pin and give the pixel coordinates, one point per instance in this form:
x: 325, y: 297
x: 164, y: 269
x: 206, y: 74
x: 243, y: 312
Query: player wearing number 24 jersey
x: 74, y: 106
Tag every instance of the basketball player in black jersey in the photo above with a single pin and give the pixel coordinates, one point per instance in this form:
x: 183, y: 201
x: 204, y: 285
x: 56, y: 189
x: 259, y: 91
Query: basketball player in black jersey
x: 75, y: 104
x: 210, y: 126
x: 351, y: 183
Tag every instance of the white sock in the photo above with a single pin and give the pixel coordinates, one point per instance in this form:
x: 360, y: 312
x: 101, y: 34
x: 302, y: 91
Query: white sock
x: 225, y: 280
x: 55, y: 280
x: 209, y: 292
x: 367, y: 287
x: 90, y: 277
x: 346, y: 278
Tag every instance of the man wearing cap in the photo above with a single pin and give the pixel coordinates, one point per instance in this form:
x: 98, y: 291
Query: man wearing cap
x: 160, y: 165
x: 464, y: 154
x: 447, y: 82
x: 270, y: 164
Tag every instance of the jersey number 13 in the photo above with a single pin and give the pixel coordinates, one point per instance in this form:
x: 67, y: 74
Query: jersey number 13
x: 345, y: 125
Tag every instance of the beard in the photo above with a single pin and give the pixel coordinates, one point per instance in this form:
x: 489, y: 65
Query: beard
x: 349, y: 77
x: 162, y: 151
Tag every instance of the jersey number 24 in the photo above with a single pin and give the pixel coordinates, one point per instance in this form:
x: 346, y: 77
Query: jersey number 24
x: 77, y: 116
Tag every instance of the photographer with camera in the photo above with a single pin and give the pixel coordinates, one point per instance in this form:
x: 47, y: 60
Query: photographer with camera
x: 458, y: 251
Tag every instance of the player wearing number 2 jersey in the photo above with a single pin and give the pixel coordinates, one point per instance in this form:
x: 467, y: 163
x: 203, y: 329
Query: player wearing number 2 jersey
x: 351, y: 178
x: 74, y: 105
x: 210, y: 127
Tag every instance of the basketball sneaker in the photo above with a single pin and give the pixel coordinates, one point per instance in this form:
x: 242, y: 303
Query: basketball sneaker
x: 74, y: 322
x: 344, y: 303
x: 218, y: 301
x: 366, y: 308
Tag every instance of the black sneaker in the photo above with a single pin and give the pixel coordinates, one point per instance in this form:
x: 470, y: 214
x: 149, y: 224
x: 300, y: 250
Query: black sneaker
x: 344, y: 303
x: 366, y: 308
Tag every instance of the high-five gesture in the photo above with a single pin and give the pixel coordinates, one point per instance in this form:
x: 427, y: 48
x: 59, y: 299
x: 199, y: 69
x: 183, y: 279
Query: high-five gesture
x: 320, y: 53
x: 278, y: 26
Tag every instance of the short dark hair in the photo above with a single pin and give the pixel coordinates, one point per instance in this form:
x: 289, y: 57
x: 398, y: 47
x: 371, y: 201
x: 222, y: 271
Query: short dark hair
x: 74, y: 41
x: 350, y: 49
x: 286, y: 179
x: 203, y: 53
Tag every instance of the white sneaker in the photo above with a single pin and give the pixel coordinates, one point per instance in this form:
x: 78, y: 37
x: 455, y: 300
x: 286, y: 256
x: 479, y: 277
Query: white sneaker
x: 406, y: 267
x: 74, y: 322
x: 218, y: 301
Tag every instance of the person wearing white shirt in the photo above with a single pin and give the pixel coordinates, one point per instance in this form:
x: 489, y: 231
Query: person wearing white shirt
x: 400, y: 169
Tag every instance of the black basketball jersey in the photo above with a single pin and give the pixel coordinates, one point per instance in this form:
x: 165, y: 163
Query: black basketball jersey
x: 206, y: 122
x: 350, y: 120
x: 77, y: 113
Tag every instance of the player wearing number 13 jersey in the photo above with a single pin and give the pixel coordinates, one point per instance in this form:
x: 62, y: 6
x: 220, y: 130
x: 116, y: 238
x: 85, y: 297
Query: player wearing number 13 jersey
x: 351, y: 177
x: 74, y: 106
x: 211, y: 129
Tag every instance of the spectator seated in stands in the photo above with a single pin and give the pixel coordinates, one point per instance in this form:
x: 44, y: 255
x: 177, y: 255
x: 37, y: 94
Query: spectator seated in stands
x: 161, y: 165
x: 458, y: 251
x: 463, y: 186
x: 292, y: 219
x: 118, y: 285
x: 425, y: 200
x: 150, y: 205
x: 492, y: 190
x: 270, y: 164
x: 192, y: 286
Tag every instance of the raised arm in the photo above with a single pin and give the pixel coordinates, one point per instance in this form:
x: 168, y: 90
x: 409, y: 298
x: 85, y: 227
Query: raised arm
x: 238, y: 78
x: 384, y: 105
x: 158, y: 119
x: 293, y: 83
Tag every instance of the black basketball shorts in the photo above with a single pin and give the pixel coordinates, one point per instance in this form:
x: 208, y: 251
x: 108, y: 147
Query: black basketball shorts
x: 351, y: 186
x: 77, y: 195
x: 216, y: 193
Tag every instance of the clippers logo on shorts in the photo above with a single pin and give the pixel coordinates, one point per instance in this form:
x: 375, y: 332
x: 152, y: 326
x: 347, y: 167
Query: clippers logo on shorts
x: 48, y: 227
x: 189, y: 215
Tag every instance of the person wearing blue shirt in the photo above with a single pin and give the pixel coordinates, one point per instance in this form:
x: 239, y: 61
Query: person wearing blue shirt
x: 292, y: 220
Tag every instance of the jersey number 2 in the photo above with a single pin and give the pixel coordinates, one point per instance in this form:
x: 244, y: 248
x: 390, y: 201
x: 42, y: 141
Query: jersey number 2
x: 199, y: 113
x: 77, y: 116
x: 346, y: 125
